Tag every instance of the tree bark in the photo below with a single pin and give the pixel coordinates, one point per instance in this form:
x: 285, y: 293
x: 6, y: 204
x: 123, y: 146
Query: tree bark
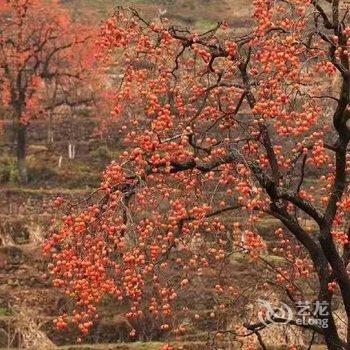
x: 50, y: 128
x: 334, y: 343
x: 21, y: 153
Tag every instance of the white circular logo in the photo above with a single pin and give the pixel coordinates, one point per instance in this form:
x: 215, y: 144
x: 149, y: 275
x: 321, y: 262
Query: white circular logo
x: 282, y: 314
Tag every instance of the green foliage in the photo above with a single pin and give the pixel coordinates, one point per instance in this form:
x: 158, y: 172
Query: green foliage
x: 40, y: 170
x: 102, y: 154
x: 4, y: 311
x: 189, y: 4
x: 204, y: 24
x: 8, y: 169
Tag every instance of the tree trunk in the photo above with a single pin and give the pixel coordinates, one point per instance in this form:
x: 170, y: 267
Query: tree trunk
x: 50, y: 129
x: 21, y: 153
x: 334, y: 343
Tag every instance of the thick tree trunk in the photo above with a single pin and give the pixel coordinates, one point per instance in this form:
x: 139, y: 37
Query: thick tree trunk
x: 334, y: 343
x: 21, y: 153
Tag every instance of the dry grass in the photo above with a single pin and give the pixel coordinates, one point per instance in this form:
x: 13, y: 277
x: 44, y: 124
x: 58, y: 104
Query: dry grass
x: 28, y: 330
x: 134, y: 346
x: 197, y: 14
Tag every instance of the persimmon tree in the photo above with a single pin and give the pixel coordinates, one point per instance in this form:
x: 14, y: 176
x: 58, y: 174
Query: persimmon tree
x: 38, y: 42
x: 77, y: 87
x: 222, y: 132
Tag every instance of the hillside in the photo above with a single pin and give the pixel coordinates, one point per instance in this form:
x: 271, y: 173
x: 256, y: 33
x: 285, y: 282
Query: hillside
x: 28, y: 302
x: 198, y: 14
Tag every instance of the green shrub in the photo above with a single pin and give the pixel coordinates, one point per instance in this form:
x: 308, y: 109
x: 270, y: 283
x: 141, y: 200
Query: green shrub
x: 40, y: 170
x: 8, y: 169
x: 102, y: 154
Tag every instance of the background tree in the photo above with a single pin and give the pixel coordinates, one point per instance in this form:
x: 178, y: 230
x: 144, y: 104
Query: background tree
x: 39, y: 46
x: 218, y: 124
